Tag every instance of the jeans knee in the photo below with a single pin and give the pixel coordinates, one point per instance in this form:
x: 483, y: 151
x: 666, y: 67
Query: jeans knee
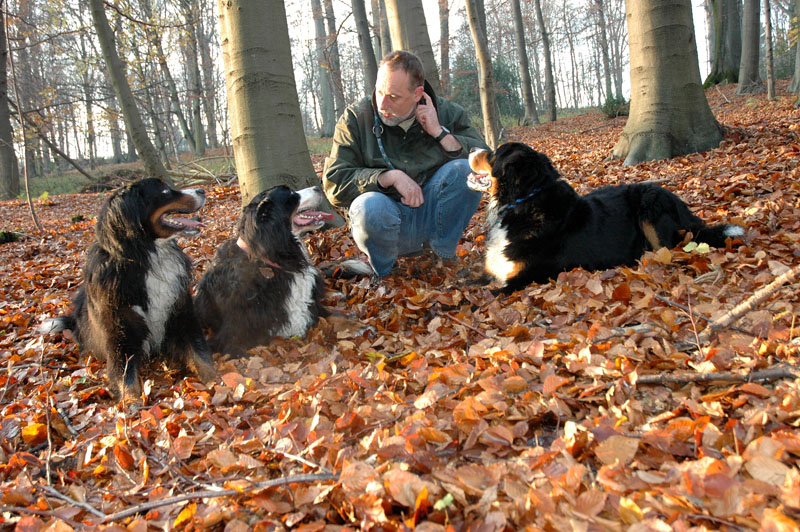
x: 374, y: 212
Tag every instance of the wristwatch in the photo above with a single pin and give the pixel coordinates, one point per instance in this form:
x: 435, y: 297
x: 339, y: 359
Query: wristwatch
x: 443, y: 134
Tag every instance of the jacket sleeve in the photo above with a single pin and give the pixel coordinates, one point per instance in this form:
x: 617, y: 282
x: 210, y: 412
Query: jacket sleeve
x: 345, y: 175
x: 463, y: 131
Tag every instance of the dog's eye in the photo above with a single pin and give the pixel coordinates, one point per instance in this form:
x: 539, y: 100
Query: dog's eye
x: 165, y: 191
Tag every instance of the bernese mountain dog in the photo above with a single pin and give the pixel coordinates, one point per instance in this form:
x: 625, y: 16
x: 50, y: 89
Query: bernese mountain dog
x: 135, y: 304
x: 539, y: 226
x: 262, y: 283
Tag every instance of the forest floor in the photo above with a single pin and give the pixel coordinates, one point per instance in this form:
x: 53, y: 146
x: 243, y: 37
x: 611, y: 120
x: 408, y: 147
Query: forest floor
x: 547, y: 409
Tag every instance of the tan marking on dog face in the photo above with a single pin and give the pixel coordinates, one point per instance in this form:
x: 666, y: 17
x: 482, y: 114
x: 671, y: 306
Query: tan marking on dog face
x: 651, y: 235
x: 481, y: 163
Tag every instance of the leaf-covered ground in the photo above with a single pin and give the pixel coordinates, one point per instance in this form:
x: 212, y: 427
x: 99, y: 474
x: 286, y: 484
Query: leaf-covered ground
x: 457, y: 410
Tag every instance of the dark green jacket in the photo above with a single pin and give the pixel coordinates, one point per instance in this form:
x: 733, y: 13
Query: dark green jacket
x: 356, y: 162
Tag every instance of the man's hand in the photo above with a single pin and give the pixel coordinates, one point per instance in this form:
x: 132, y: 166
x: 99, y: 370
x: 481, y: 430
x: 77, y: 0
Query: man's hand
x: 410, y: 191
x: 427, y: 116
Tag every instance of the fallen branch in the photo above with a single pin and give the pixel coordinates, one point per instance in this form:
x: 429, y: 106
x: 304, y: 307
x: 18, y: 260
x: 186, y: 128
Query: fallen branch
x: 772, y: 374
x: 206, y: 494
x: 749, y: 304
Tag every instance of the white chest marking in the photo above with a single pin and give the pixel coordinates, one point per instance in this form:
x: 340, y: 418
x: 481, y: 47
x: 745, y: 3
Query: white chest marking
x: 166, y: 281
x: 497, y: 264
x: 301, y: 295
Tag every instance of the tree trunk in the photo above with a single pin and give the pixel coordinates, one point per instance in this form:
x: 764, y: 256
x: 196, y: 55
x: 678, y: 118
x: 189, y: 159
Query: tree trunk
x: 375, y: 8
x: 491, y: 119
x: 549, y: 81
x: 326, y: 107
x: 191, y: 14
x: 386, y: 34
x: 727, y: 51
x: 335, y: 69
x: 794, y: 84
x: 444, y: 45
x: 259, y: 82
x: 9, y: 166
x: 669, y: 112
x: 116, y: 70
x: 410, y: 32
x: 603, y: 36
x: 370, y: 67
x: 768, y: 39
x: 531, y: 116
x: 749, y: 80
x: 204, y: 38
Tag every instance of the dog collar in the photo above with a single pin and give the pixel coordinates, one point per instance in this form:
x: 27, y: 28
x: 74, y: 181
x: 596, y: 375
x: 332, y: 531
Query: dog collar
x: 243, y: 246
x: 521, y: 200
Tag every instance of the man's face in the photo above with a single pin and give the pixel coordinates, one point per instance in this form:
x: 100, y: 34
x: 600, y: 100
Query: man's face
x: 395, y: 98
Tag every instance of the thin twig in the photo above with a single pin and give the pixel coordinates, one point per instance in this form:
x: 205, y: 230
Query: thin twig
x: 22, y: 509
x: 781, y: 372
x: 480, y: 332
x: 58, y: 495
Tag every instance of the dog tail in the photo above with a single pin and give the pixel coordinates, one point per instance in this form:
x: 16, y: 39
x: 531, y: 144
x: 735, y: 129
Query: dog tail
x: 715, y: 235
x: 57, y: 325
x: 346, y: 269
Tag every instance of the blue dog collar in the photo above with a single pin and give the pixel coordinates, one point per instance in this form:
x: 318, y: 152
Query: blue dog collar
x: 522, y: 200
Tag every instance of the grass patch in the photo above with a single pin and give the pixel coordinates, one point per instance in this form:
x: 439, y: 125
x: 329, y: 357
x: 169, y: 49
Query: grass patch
x: 319, y: 145
x: 52, y: 184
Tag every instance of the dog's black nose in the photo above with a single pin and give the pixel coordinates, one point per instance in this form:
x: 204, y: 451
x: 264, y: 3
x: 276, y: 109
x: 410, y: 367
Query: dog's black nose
x: 316, y: 188
x: 474, y: 149
x: 201, y: 191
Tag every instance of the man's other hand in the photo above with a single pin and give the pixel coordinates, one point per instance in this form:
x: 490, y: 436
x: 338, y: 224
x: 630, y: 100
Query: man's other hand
x: 409, y: 190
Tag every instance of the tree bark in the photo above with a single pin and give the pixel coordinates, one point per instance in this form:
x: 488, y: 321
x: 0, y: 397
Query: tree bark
x: 370, y: 66
x: 749, y: 80
x: 669, y: 113
x: 326, y: 108
x: 769, y: 61
x: 9, y: 166
x: 727, y: 51
x: 491, y: 118
x: 116, y: 70
x: 191, y: 14
x: 260, y: 85
x: 410, y: 32
x: 204, y: 38
x: 549, y: 81
x: 386, y: 34
x: 603, y: 35
x: 444, y: 45
x: 335, y: 69
x: 794, y: 84
x: 531, y: 116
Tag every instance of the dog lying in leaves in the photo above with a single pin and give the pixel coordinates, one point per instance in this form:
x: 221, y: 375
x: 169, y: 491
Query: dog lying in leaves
x: 134, y: 304
x: 539, y: 226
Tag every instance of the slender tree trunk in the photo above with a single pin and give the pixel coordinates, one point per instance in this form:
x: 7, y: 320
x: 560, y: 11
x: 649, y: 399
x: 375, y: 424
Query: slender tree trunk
x: 444, y: 45
x: 549, y: 81
x: 375, y: 9
x: 326, y: 107
x: 204, y: 38
x: 727, y: 44
x: 332, y: 49
x: 116, y: 70
x: 261, y: 90
x: 749, y: 80
x: 531, y: 116
x: 794, y: 84
x: 669, y: 113
x: 9, y: 166
x: 386, y: 34
x: 491, y: 118
x: 603, y: 35
x: 191, y: 14
x: 410, y: 32
x: 769, y: 61
x: 370, y: 66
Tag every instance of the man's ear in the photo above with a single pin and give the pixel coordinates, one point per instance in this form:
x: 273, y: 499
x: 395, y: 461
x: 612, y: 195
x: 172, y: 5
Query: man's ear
x: 418, y: 92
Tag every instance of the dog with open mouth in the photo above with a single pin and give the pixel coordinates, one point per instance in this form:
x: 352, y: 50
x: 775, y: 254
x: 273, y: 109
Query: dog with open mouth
x: 262, y: 283
x: 135, y: 303
x: 539, y: 226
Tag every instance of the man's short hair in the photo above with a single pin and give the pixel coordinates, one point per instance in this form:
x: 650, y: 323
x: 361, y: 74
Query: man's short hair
x: 408, y: 62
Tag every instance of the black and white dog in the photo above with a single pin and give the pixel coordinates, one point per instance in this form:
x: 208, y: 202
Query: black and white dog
x: 539, y: 226
x: 135, y: 303
x: 262, y: 284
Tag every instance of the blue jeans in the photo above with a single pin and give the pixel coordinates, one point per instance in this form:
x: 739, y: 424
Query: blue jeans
x: 385, y: 229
